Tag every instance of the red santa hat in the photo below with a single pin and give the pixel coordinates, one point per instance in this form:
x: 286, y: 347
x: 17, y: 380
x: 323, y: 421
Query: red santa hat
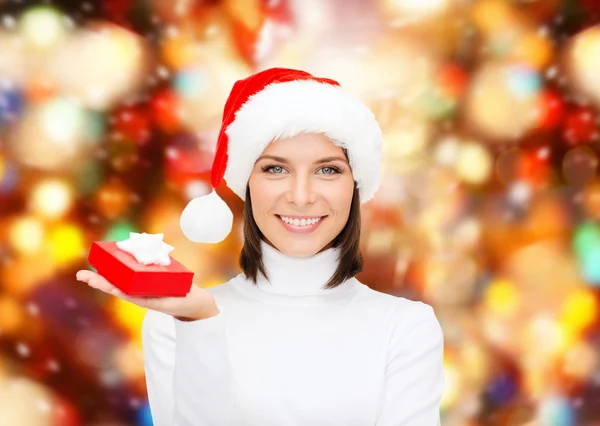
x: 279, y: 103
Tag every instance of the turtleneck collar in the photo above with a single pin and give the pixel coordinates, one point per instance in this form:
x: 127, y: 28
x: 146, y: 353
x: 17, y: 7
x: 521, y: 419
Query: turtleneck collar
x: 297, y: 276
x: 298, y: 279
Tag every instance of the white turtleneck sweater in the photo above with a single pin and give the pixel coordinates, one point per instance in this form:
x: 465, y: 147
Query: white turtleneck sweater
x: 289, y: 353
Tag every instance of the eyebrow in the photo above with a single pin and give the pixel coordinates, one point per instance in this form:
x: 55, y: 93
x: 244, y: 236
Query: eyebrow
x: 284, y: 161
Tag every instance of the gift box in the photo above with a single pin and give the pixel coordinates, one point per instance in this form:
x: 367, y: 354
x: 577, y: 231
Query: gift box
x: 140, y: 267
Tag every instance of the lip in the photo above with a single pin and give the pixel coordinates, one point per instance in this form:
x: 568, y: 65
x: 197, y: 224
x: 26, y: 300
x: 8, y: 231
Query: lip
x: 300, y: 229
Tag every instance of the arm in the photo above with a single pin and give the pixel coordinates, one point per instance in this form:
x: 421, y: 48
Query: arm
x: 187, y: 370
x: 414, y: 378
x: 158, y: 340
x: 202, y: 378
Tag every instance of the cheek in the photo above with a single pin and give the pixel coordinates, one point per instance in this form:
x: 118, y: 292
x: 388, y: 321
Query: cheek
x: 346, y: 192
x: 340, y: 199
x: 345, y: 202
x: 263, y: 196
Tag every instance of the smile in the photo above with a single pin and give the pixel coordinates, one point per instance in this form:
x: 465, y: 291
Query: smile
x: 301, y: 225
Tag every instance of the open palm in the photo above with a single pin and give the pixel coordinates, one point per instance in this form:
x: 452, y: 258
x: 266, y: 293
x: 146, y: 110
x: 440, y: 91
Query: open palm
x: 197, y: 304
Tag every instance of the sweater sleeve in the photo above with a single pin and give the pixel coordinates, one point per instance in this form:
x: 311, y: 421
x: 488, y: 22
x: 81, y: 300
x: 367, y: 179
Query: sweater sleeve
x: 158, y: 341
x: 202, y: 378
x: 188, y: 375
x: 414, y: 376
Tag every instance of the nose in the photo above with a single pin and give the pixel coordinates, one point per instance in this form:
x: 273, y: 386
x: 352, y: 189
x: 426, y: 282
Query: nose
x: 300, y: 191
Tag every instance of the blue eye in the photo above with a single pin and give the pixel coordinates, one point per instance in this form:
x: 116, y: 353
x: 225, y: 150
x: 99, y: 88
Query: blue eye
x: 272, y: 169
x: 333, y: 170
x: 275, y: 169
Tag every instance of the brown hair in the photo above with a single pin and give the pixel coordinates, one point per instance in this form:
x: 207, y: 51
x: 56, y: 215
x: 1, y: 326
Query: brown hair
x: 348, y: 240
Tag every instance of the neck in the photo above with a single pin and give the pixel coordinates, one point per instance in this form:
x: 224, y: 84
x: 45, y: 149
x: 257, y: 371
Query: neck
x: 297, y: 276
x: 298, y: 280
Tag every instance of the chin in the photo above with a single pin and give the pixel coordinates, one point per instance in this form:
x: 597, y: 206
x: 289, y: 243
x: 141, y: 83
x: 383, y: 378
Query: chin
x: 292, y: 247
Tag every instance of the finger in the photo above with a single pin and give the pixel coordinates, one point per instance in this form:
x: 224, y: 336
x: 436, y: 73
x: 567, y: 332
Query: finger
x: 118, y: 293
x: 84, y: 275
x: 98, y: 282
x: 101, y: 283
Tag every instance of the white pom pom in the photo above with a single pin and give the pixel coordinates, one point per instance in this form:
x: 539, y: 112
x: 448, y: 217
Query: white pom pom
x: 206, y: 219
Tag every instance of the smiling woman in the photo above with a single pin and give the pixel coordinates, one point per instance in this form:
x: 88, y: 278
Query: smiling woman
x: 295, y: 339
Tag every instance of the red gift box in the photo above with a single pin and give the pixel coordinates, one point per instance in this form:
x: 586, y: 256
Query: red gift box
x: 123, y: 270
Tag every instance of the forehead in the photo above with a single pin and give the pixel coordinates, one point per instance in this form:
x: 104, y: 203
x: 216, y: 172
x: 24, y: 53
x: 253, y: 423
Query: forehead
x: 303, y: 145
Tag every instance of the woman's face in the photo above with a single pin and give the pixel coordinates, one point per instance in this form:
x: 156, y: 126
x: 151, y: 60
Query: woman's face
x: 301, y: 190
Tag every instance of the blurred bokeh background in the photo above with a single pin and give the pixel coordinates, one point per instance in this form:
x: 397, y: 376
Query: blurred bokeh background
x: 489, y: 208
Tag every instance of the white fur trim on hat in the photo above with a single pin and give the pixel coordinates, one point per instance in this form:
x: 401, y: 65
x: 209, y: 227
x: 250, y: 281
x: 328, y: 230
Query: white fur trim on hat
x: 288, y: 109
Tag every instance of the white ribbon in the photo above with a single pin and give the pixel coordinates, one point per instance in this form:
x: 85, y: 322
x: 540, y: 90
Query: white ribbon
x: 147, y: 249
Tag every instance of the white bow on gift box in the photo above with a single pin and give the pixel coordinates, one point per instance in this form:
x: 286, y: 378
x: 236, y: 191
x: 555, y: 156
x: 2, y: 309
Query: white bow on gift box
x: 147, y: 249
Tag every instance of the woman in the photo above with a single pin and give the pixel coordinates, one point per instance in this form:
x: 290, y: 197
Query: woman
x: 295, y: 339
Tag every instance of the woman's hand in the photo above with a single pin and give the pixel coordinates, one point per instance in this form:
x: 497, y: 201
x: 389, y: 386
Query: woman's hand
x: 197, y: 304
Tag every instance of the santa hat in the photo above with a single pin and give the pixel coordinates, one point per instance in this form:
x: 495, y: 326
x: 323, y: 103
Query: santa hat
x: 278, y: 103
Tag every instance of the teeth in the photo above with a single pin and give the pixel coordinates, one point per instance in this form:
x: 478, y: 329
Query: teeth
x: 300, y: 222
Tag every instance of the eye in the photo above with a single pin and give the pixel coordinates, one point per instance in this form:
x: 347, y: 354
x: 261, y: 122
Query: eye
x: 274, y: 169
x: 330, y: 170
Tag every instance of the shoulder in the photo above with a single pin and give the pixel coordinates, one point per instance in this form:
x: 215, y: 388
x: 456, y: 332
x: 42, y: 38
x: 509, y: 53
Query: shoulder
x: 224, y: 289
x: 417, y: 333
x: 416, y: 315
x: 401, y: 305
x: 407, y: 316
